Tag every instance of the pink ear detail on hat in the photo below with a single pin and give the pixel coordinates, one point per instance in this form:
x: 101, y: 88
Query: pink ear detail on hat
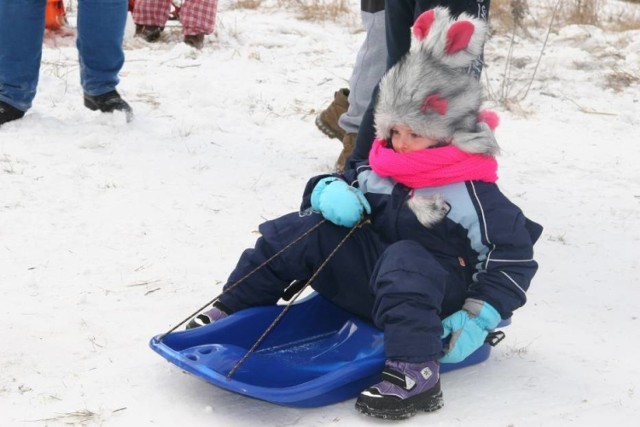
x: 434, y: 103
x: 489, y: 117
x: 423, y: 24
x: 458, y: 36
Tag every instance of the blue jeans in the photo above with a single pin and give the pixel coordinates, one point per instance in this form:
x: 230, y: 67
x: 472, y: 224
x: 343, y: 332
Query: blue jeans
x: 100, y: 33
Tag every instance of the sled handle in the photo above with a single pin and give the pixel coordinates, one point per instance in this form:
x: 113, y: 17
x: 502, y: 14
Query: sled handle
x: 240, y: 280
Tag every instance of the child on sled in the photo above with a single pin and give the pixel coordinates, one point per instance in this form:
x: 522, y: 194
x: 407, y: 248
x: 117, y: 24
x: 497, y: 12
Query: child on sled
x: 440, y: 240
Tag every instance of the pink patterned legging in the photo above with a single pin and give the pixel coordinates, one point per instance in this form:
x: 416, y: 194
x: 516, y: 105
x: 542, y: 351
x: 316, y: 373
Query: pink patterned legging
x: 196, y: 16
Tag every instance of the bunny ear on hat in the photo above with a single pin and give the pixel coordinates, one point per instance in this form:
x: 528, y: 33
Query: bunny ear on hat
x: 456, y: 43
x: 430, y: 90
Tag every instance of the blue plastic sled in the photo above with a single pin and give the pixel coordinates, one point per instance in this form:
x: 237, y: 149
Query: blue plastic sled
x: 318, y: 354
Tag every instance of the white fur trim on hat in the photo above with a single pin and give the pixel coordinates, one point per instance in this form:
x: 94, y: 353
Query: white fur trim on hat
x: 430, y: 90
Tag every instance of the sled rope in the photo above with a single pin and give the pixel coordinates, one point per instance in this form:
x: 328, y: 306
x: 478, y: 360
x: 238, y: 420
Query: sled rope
x: 242, y: 279
x: 288, y: 306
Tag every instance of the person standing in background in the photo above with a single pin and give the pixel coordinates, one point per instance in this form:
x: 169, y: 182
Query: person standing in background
x: 341, y: 119
x: 101, y: 25
x: 198, y: 18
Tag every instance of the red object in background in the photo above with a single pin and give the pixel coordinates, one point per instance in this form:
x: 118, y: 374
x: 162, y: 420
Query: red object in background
x: 55, y: 16
x: 174, y: 15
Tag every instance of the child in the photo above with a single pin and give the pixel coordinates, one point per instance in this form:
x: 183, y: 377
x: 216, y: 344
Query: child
x: 442, y: 241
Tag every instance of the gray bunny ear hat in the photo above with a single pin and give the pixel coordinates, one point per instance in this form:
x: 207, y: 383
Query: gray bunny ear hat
x: 430, y: 90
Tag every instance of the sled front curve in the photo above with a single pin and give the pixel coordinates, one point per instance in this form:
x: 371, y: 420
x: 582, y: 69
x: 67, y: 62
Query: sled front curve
x: 318, y: 354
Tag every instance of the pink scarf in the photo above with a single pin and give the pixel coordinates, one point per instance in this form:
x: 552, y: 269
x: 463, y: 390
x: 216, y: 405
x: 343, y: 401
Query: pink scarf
x: 432, y: 167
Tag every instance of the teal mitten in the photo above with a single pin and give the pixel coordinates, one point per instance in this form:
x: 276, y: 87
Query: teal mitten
x: 468, y: 328
x: 338, y: 202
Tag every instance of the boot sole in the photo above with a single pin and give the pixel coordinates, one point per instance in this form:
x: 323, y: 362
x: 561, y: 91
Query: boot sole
x: 405, y: 409
x: 327, y: 130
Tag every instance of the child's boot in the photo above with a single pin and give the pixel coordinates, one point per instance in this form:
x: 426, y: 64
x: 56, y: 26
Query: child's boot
x: 406, y: 388
x: 212, y: 315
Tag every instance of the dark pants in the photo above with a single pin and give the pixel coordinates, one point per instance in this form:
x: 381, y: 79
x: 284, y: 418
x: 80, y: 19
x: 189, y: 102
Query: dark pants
x: 400, y: 16
x: 401, y: 287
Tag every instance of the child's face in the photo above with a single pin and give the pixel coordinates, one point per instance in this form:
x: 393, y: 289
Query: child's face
x: 404, y: 140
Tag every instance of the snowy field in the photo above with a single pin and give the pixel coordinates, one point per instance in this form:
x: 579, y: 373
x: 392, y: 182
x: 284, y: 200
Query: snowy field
x: 111, y: 233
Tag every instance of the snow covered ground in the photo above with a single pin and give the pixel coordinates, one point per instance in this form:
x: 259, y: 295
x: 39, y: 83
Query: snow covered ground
x: 111, y: 232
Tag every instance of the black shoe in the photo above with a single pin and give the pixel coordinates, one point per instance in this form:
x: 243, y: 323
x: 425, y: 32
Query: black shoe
x: 9, y: 113
x: 108, y: 103
x: 150, y: 33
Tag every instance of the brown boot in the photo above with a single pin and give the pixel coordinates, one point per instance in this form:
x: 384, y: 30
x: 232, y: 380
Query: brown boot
x: 327, y: 120
x: 196, y: 40
x: 348, y: 144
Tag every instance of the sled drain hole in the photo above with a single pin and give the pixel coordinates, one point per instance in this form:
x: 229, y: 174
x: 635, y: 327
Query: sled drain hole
x: 201, y: 351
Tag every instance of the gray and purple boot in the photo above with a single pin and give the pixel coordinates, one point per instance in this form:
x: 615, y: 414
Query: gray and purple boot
x: 406, y: 388
x: 214, y: 314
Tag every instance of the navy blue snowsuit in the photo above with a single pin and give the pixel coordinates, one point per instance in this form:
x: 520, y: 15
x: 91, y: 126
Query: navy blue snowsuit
x: 394, y: 270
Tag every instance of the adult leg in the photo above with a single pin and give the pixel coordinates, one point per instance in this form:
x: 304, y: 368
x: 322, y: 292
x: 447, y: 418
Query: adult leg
x: 100, y: 34
x: 151, y: 12
x: 198, y: 16
x: 21, y: 34
x: 369, y: 67
x: 150, y: 17
x: 344, y: 280
x: 398, y: 20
